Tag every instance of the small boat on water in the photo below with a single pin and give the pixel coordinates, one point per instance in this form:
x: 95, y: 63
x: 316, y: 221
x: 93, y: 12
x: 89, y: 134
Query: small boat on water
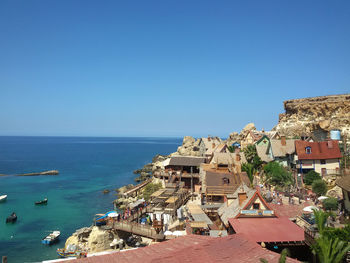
x: 42, y: 202
x: 3, y: 198
x: 12, y: 218
x: 70, y: 251
x: 51, y: 238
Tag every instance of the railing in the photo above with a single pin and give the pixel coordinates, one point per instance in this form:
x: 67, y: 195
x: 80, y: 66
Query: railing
x: 176, y: 175
x: 137, y: 187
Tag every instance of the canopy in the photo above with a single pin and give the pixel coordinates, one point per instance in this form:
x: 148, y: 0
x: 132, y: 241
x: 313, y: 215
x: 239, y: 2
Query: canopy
x: 178, y: 233
x: 322, y: 198
x: 310, y: 208
x: 114, y: 214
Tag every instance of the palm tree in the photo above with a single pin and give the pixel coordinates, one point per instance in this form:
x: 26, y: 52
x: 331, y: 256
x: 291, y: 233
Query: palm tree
x: 250, y: 152
x: 250, y: 170
x: 328, y: 249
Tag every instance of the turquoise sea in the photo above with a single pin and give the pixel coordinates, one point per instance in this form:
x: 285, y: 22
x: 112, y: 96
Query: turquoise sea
x: 86, y: 166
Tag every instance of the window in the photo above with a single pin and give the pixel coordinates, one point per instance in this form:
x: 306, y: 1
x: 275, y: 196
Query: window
x: 308, y: 150
x: 323, y: 161
x: 226, y: 180
x: 256, y: 206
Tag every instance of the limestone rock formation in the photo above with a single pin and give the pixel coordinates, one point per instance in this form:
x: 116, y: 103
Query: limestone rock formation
x: 92, y: 239
x: 189, y: 147
x: 237, y: 137
x: 303, y: 116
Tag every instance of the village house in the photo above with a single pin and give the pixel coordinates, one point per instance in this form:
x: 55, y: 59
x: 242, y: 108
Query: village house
x: 251, y: 138
x: 344, y: 184
x: 184, y: 169
x: 282, y: 151
x: 249, y: 214
x: 222, y: 176
x: 207, y: 146
x: 321, y: 157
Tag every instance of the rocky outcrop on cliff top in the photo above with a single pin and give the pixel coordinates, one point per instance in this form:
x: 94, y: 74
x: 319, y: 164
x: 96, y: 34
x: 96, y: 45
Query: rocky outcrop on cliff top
x: 189, y: 147
x: 303, y: 116
x: 92, y: 239
x: 146, y: 171
x: 237, y: 137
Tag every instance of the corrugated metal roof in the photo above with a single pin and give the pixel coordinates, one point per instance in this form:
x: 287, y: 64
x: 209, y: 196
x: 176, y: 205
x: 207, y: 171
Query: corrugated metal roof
x: 186, y: 161
x: 192, y: 248
x: 268, y: 229
x: 344, y: 182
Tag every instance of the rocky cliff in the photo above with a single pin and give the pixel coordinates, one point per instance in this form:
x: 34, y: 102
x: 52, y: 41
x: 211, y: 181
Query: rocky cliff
x: 307, y: 115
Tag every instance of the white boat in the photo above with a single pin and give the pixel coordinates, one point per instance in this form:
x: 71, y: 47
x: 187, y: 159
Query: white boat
x: 3, y: 197
x: 53, y: 237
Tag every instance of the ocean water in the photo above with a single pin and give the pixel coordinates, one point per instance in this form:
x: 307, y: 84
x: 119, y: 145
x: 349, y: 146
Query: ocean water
x: 86, y: 165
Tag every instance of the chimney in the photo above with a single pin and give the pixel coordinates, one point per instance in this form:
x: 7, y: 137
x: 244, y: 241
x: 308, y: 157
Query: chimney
x: 242, y: 196
x: 238, y: 157
x: 283, y: 140
x: 330, y: 144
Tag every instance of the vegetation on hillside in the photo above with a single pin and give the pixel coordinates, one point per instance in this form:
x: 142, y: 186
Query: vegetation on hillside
x: 150, y: 189
x: 311, y: 176
x: 319, y: 187
x: 329, y: 248
x: 277, y: 175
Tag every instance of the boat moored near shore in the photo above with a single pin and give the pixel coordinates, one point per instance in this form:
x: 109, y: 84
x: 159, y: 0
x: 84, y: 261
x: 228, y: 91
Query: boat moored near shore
x: 51, y: 238
x: 3, y: 198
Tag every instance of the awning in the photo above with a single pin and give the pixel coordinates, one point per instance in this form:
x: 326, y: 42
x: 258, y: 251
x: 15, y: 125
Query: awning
x: 136, y: 203
x: 158, y: 193
x: 171, y: 200
x: 198, y: 224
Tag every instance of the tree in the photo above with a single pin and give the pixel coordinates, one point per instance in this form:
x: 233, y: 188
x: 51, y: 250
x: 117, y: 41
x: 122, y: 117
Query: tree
x: 330, y: 203
x: 257, y: 162
x: 250, y: 170
x: 232, y: 148
x: 311, y: 176
x: 329, y: 249
x: 319, y: 187
x: 282, y: 259
x: 150, y: 189
x: 276, y: 174
x: 250, y: 152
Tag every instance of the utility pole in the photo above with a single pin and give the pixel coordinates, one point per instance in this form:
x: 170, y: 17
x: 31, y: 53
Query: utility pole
x: 192, y: 182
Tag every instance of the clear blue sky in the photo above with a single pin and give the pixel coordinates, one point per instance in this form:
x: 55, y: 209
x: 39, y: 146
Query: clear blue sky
x: 165, y: 68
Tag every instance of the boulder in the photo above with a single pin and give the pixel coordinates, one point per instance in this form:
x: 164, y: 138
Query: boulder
x: 188, y: 141
x: 248, y: 127
x: 335, y: 192
x: 99, y: 240
x: 325, y: 124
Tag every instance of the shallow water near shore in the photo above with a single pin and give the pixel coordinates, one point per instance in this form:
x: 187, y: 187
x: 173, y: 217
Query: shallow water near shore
x: 86, y: 165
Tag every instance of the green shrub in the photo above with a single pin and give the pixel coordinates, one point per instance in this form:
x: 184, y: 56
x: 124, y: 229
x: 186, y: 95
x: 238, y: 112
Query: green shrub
x: 319, y: 187
x: 276, y: 174
x: 330, y: 203
x: 311, y: 176
x: 150, y: 189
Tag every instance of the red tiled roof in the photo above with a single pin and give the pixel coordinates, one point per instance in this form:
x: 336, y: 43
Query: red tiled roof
x: 289, y: 211
x: 319, y: 150
x: 192, y: 248
x: 267, y: 229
